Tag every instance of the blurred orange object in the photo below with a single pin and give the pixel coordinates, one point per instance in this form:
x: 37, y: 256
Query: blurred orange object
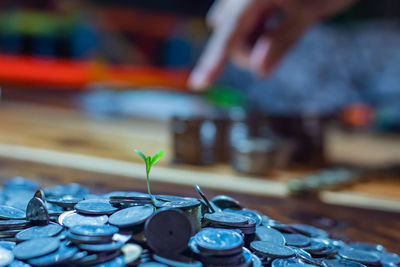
x: 66, y: 74
x: 357, y: 115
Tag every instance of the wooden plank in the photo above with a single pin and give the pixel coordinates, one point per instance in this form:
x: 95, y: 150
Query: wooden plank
x: 131, y: 170
x: 353, y: 199
x: 363, y: 148
x: 136, y: 170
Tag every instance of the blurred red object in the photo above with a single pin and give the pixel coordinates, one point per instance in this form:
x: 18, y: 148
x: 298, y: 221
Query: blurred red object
x: 65, y: 74
x: 357, y: 115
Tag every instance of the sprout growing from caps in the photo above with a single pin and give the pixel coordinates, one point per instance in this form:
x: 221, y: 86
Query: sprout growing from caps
x: 150, y: 161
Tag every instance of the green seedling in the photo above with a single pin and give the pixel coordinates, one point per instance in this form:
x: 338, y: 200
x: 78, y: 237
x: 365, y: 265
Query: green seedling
x: 150, y: 161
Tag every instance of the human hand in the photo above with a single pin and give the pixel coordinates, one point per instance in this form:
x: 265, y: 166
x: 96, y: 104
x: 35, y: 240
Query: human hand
x: 256, y: 34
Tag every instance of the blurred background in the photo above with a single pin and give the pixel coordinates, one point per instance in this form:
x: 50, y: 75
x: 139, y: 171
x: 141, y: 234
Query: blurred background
x: 100, y: 77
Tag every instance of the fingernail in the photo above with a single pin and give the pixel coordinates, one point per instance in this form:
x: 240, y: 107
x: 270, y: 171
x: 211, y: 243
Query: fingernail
x: 197, y: 80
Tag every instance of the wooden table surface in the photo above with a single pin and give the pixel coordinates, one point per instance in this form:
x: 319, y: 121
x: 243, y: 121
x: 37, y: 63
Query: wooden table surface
x: 44, y: 133
x: 58, y: 145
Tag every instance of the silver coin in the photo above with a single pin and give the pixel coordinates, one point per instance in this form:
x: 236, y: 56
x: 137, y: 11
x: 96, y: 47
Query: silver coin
x: 89, y: 259
x: 82, y: 239
x: 225, y: 260
x: 39, y: 194
x: 226, y: 202
x: 297, y: 240
x: 78, y: 256
x: 61, y: 255
x: 35, y: 248
x: 62, y: 216
x: 204, y: 198
x: 95, y: 207
x: 39, y: 231
x: 193, y: 246
x: 364, y: 257
x: 121, y: 237
x: 315, y: 246
x: 256, y: 261
x: 7, y: 245
x: 247, y: 258
x: 208, y: 208
x: 94, y: 230
x: 131, y: 216
x: 341, y: 263
x: 309, y: 230
x: 18, y: 263
x: 36, y: 211
x: 328, y: 251
x: 54, y: 211
x: 17, y: 202
x: 117, y: 262
x: 271, y: 235
x: 388, y: 258
x: 13, y: 224
x: 290, y: 262
x: 10, y: 213
x: 93, y: 259
x: 271, y: 250
x: 178, y: 261
x: 66, y: 201
x: 184, y: 203
x: 6, y: 256
x: 128, y: 195
x: 304, y: 255
x: 152, y: 264
x: 216, y: 241
x: 168, y: 198
x: 248, y: 229
x: 227, y: 218
x: 132, y: 253
x: 113, y: 246
x: 9, y: 233
x: 248, y: 213
x: 72, y: 219
x: 367, y: 246
x: 130, y: 202
x: 281, y: 227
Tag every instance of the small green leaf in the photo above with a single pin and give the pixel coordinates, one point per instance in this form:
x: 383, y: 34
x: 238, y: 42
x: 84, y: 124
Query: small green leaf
x: 157, y: 157
x: 148, y: 166
x: 141, y: 155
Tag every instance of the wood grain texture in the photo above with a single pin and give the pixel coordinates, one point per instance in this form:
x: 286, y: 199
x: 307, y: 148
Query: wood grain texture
x: 134, y: 170
x: 171, y: 175
x: 68, y: 130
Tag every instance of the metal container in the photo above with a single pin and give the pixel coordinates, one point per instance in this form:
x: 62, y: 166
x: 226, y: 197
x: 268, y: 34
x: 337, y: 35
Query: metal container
x: 193, y: 140
x: 194, y: 216
x: 305, y: 135
x: 253, y: 155
x: 200, y: 140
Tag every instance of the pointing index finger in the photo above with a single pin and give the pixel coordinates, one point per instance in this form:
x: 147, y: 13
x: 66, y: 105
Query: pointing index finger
x: 219, y: 47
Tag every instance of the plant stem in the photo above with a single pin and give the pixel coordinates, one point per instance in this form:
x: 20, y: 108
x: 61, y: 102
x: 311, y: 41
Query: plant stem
x: 148, y: 189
